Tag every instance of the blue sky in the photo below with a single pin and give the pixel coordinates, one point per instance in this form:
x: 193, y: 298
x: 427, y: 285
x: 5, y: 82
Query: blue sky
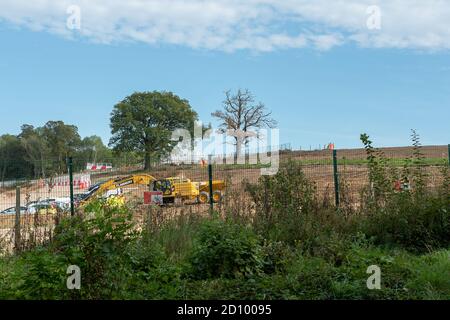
x: 317, y: 95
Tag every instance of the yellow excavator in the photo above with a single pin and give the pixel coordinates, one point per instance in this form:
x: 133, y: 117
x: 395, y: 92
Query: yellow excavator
x: 101, y: 189
x: 171, y: 188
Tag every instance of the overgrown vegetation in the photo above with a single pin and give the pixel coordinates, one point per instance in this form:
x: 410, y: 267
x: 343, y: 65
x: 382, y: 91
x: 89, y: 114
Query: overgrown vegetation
x: 290, y: 244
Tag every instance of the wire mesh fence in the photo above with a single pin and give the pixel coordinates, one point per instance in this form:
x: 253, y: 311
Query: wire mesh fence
x: 45, y: 190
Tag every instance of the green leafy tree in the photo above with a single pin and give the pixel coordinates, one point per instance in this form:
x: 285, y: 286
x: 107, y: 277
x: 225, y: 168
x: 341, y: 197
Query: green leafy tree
x: 144, y: 121
x: 93, y: 150
x: 36, y: 149
x: 12, y: 163
x: 63, y: 140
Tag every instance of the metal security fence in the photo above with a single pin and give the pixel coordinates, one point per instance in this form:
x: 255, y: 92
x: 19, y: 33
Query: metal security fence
x: 342, y: 174
x: 31, y: 204
x: 44, y: 195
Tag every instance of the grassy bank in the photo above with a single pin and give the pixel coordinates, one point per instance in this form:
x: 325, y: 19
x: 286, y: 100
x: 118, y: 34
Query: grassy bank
x: 222, y: 260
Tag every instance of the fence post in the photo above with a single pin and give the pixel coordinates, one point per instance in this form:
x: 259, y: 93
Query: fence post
x: 72, y: 208
x: 17, y: 222
x: 448, y: 154
x: 210, y: 176
x: 336, y: 178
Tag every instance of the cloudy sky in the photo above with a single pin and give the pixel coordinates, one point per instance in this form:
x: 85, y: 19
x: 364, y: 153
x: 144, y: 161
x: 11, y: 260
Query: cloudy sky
x: 329, y: 70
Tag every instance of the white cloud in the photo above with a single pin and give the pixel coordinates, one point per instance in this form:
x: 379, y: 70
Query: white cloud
x: 230, y: 25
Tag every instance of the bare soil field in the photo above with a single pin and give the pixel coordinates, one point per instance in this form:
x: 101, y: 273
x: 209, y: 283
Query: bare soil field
x: 390, y: 152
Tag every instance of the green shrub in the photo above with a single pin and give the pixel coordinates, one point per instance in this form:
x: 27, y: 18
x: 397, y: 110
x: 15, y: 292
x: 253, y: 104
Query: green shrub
x: 152, y: 275
x: 144, y: 255
x: 97, y: 243
x: 414, y: 225
x: 7, y: 264
x: 280, y: 199
x: 287, y: 209
x: 332, y: 247
x: 225, y: 249
x: 37, y: 274
x: 277, y: 255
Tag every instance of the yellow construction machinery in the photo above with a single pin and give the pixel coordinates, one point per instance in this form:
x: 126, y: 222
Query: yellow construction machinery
x: 188, y: 190
x: 102, y: 189
x: 172, y: 188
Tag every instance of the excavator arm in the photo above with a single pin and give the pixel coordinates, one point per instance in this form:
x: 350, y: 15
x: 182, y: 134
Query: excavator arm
x: 116, y: 184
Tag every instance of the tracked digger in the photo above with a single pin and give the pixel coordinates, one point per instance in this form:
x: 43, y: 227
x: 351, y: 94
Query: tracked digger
x: 172, y: 188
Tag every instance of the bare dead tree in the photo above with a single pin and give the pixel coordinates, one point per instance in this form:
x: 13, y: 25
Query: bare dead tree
x: 241, y: 115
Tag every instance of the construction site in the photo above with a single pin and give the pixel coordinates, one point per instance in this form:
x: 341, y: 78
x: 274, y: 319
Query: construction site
x: 339, y: 177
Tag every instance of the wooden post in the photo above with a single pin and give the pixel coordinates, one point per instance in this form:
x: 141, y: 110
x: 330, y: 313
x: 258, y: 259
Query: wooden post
x: 17, y: 222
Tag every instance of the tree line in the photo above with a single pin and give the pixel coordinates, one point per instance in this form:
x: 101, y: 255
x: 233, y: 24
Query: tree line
x: 39, y: 152
x: 141, y: 128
